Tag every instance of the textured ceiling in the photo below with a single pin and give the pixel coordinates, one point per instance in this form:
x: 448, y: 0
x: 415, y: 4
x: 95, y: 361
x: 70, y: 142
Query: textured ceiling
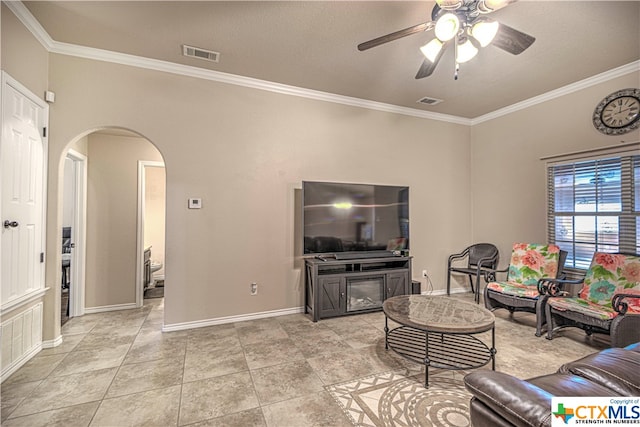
x: 313, y: 45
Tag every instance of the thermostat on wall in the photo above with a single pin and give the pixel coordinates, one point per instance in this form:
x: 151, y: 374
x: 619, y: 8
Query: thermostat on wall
x: 195, y: 203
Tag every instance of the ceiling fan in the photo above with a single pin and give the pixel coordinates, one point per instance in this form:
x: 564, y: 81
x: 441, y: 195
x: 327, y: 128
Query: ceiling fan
x: 464, y: 24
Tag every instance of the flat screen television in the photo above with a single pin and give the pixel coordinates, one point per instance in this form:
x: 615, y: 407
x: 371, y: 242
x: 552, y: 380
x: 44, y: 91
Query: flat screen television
x: 343, y: 218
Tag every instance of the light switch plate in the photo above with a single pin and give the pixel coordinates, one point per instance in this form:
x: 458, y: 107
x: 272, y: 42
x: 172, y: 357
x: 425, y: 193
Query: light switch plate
x: 195, y: 203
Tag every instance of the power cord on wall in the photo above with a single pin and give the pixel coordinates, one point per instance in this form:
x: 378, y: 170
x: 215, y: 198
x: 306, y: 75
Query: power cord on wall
x: 429, y: 284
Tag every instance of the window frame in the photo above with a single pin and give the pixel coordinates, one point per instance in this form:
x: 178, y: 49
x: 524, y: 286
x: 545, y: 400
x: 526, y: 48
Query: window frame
x: 628, y: 224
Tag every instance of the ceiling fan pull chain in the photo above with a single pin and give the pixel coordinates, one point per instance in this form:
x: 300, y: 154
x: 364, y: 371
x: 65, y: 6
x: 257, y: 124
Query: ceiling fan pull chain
x: 455, y: 58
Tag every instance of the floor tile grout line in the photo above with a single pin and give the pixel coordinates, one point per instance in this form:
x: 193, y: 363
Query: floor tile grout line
x: 372, y: 321
x: 116, y: 373
x: 42, y: 381
x: 49, y: 410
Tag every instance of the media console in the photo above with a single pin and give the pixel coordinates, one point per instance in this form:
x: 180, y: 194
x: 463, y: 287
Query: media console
x: 337, y: 287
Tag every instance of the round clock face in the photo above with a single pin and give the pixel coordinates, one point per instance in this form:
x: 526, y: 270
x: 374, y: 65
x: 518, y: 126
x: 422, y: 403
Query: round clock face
x: 618, y: 113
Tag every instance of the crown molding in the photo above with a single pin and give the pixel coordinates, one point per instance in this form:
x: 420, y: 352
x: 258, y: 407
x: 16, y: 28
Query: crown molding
x: 233, y: 79
x: 632, y: 67
x: 29, y: 21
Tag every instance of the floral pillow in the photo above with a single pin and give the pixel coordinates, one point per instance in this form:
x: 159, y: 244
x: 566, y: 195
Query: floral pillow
x: 611, y: 274
x: 531, y: 262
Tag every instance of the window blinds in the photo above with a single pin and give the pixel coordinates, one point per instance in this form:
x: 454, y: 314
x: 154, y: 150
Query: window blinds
x: 594, y: 205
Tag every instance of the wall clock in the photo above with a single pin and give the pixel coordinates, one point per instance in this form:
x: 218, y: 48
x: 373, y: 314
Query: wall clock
x: 618, y: 113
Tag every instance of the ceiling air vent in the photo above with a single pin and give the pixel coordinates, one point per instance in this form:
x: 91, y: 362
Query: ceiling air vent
x: 429, y: 101
x: 196, y: 52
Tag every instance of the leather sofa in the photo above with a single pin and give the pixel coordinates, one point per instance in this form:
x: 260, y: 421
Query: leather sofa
x: 500, y: 399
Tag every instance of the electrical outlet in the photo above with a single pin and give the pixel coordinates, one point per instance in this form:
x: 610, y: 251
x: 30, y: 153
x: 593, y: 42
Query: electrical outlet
x: 424, y: 273
x: 253, y: 288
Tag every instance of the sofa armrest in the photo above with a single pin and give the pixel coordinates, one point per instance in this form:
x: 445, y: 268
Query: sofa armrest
x: 517, y: 401
x: 617, y: 369
x: 633, y: 347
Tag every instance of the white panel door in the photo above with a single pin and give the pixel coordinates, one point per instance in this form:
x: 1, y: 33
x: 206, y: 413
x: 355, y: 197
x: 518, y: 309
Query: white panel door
x: 22, y: 167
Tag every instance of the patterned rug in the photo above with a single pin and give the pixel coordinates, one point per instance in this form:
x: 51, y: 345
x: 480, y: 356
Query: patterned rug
x: 398, y: 398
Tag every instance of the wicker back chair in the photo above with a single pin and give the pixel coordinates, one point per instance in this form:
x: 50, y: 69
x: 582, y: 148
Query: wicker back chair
x: 479, y: 257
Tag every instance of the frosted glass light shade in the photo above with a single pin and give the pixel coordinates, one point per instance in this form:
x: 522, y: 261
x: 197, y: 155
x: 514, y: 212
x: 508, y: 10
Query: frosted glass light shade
x: 484, y: 31
x: 465, y: 52
x: 487, y: 6
x: 432, y: 49
x: 447, y: 27
x: 449, y: 4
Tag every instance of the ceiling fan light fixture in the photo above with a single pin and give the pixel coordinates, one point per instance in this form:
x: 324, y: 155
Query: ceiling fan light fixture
x: 488, y: 6
x: 449, y: 4
x: 432, y: 49
x: 484, y: 31
x: 465, y: 50
x: 447, y: 27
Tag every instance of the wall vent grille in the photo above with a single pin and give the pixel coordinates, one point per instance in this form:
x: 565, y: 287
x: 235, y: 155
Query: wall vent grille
x: 196, y: 52
x: 429, y: 101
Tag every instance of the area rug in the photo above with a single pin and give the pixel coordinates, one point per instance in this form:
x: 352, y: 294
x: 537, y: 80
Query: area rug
x: 399, y: 398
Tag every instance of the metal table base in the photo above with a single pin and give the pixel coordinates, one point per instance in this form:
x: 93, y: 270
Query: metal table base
x: 440, y: 350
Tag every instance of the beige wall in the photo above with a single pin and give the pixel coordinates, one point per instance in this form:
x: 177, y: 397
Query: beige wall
x: 81, y: 146
x: 112, y: 204
x: 245, y: 152
x: 18, y: 44
x: 509, y: 179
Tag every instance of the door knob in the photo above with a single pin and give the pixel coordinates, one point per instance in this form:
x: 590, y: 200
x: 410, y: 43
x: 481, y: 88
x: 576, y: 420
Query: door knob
x: 8, y: 223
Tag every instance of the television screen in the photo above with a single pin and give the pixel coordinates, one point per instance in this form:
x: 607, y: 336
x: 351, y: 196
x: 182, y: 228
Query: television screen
x: 340, y: 217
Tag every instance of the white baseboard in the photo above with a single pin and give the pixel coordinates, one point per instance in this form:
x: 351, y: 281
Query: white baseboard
x: 261, y: 315
x: 230, y: 319
x: 18, y: 363
x: 52, y: 343
x: 456, y: 291
x: 102, y: 309
x: 444, y: 291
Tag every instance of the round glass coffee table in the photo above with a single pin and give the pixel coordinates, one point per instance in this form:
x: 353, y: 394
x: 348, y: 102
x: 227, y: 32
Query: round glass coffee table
x: 438, y: 332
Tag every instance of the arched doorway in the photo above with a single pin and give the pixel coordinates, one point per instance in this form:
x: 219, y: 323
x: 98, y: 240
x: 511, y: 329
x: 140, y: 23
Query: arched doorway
x: 113, y: 260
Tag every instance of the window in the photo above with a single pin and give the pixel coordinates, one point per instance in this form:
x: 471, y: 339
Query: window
x: 594, y: 205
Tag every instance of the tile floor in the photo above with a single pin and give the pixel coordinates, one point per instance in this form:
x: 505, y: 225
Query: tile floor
x: 119, y: 369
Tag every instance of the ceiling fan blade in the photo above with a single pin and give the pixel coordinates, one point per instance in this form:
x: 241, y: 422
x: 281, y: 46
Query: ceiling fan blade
x: 511, y: 40
x: 425, y: 26
x: 427, y: 68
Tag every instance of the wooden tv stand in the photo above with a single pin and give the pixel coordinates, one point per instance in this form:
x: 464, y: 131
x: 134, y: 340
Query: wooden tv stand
x: 335, y: 287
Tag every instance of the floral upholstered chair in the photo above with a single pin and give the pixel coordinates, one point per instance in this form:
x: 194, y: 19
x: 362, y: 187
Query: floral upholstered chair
x: 530, y: 265
x: 609, y: 301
